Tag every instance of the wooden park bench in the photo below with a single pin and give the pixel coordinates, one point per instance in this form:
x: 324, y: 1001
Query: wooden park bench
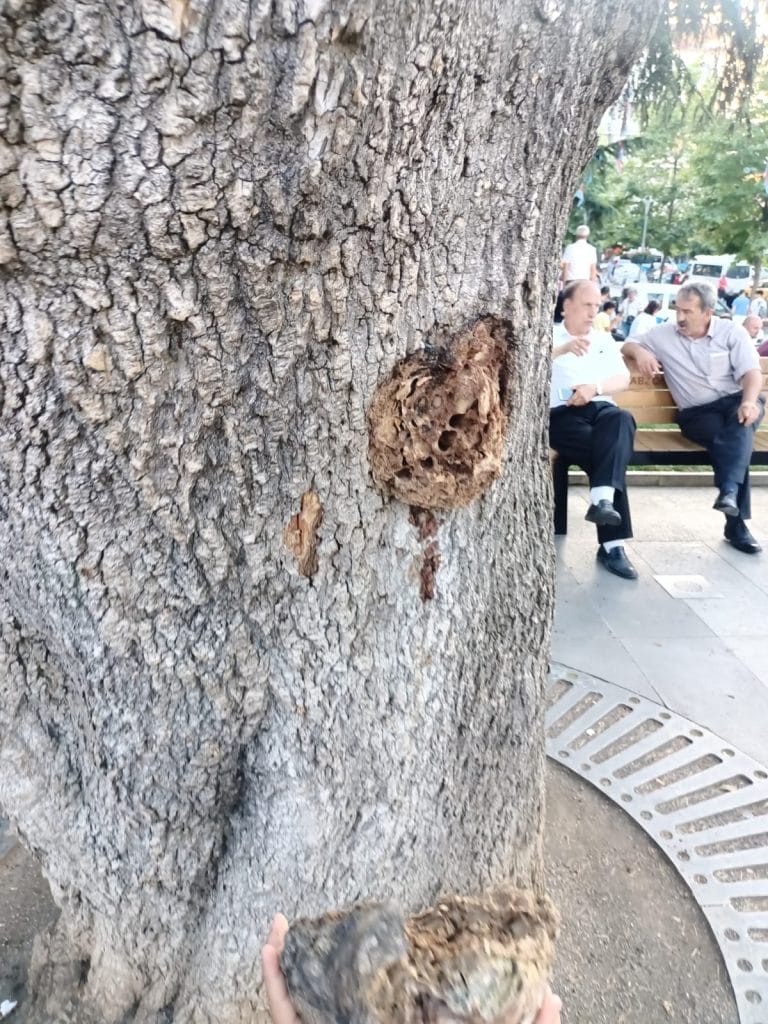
x: 658, y: 441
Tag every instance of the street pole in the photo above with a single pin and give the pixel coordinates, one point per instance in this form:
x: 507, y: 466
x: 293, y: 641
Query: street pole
x: 647, y: 204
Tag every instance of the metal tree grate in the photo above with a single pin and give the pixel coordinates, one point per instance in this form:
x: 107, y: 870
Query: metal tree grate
x: 703, y: 802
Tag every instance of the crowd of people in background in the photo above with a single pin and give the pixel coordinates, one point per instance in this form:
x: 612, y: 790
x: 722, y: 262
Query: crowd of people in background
x: 710, y: 365
x: 631, y: 314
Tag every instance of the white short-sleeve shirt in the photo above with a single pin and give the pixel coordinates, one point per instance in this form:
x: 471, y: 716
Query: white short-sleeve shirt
x: 603, y: 360
x: 579, y: 258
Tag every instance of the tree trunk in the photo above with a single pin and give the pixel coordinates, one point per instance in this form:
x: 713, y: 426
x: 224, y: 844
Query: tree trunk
x: 235, y: 677
x: 757, y: 276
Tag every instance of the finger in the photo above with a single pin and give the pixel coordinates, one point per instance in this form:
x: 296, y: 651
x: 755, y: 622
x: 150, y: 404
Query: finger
x: 280, y: 1006
x: 277, y: 932
x: 550, y: 1010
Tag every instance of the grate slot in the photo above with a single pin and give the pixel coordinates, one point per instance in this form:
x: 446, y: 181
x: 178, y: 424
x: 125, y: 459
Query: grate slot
x: 751, y: 904
x: 733, y: 843
x: 726, y: 817
x: 577, y: 725
x: 673, y: 775
x: 703, y: 794
x: 733, y: 830
x: 593, y: 732
x: 556, y: 691
x: 620, y: 741
x: 567, y: 716
x: 654, y: 756
x: 653, y: 737
x: 742, y: 873
x: 712, y: 803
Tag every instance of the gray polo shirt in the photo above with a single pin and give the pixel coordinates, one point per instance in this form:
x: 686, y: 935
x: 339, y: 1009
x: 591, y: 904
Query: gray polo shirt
x: 702, y: 370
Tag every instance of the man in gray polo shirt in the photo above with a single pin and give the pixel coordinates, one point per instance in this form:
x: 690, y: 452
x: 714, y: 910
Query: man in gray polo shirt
x: 713, y: 372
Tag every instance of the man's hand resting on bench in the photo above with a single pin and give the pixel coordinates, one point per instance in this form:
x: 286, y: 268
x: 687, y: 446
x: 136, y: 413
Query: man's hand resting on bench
x: 640, y: 359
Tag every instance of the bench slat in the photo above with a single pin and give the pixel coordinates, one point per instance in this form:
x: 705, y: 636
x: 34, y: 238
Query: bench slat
x: 636, y: 399
x: 664, y: 441
x: 652, y: 417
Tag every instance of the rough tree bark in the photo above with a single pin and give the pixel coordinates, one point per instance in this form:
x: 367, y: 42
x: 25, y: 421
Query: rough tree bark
x: 234, y: 676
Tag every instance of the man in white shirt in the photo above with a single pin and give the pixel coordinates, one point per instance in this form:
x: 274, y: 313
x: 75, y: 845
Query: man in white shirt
x: 585, y: 425
x: 629, y: 309
x: 579, y: 261
x: 712, y: 370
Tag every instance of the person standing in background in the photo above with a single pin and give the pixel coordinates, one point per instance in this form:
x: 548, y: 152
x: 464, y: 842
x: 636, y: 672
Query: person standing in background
x: 629, y: 309
x: 579, y: 261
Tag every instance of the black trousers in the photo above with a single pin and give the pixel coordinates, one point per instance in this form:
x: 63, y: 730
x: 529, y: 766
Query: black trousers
x: 715, y: 426
x: 599, y: 438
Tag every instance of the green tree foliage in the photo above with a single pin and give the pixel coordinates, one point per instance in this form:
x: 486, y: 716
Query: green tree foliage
x: 658, y: 168
x: 727, y: 169
x: 702, y: 148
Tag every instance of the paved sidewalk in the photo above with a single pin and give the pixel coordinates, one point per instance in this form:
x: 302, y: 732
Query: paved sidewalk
x: 704, y: 655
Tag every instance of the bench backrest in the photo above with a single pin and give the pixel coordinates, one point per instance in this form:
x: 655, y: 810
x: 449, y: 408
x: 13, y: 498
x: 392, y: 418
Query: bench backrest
x: 652, y: 404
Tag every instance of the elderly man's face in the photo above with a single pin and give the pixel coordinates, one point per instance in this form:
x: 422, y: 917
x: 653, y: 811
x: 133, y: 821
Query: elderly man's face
x: 692, y: 319
x: 752, y: 325
x: 580, y: 310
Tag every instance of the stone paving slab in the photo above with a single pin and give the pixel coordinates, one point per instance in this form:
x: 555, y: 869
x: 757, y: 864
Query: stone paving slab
x: 704, y: 657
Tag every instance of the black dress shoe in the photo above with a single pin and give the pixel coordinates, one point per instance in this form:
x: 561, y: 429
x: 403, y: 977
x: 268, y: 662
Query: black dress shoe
x: 726, y: 502
x: 739, y: 537
x: 616, y: 561
x: 603, y: 514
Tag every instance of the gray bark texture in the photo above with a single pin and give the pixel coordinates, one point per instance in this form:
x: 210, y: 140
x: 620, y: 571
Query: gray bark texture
x: 225, y: 688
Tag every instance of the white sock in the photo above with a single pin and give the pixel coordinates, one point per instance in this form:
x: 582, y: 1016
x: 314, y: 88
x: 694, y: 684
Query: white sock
x: 600, y: 494
x: 609, y: 545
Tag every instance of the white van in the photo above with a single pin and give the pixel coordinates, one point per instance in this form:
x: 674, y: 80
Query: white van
x: 738, y: 277
x: 708, y: 270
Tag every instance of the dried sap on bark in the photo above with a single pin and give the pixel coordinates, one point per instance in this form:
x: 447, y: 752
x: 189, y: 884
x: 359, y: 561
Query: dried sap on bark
x: 437, y: 423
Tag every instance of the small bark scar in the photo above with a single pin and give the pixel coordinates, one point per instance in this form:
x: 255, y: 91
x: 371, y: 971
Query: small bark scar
x: 430, y: 563
x: 300, y: 536
x: 437, y: 423
x: 180, y: 15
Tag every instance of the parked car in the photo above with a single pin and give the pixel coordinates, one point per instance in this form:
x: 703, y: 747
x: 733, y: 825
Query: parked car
x: 761, y: 290
x: 619, y: 273
x: 662, y: 293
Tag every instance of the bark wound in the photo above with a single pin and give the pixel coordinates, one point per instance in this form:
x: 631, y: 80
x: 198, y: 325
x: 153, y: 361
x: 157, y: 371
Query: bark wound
x: 486, y: 958
x: 437, y: 424
x: 300, y: 535
x: 426, y: 524
x: 430, y: 563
